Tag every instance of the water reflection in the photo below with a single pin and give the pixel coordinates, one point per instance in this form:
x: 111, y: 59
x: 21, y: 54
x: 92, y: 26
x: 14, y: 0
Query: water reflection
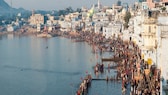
x: 10, y: 36
x: 0, y: 37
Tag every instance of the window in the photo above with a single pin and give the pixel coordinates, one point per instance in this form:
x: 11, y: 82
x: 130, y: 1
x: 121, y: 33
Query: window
x: 149, y: 29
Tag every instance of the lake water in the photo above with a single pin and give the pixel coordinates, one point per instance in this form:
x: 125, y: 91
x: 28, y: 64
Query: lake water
x: 55, y: 66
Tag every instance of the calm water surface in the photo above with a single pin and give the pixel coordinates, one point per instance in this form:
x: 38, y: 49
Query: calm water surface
x: 55, y: 66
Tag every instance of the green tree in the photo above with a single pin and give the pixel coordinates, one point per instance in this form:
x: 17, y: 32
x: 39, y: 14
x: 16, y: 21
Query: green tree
x: 61, y: 12
x: 78, y: 10
x: 69, y: 10
x: 163, y: 8
x: 126, y: 19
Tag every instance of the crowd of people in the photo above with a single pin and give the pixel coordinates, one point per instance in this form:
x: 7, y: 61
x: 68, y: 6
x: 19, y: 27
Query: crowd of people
x: 143, y: 78
x: 99, y: 68
x: 138, y: 77
x: 86, y: 83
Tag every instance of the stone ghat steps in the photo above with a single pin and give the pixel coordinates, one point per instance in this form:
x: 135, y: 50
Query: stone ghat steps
x: 104, y: 79
x: 115, y: 59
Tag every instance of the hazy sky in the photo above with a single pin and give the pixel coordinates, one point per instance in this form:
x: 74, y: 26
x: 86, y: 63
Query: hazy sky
x: 59, y: 4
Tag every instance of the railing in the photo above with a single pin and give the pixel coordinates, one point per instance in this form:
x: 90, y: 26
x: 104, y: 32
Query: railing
x: 148, y: 47
x: 148, y: 34
x: 149, y: 21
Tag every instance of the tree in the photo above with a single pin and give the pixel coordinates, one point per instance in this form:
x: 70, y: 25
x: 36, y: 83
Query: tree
x: 126, y: 19
x: 61, y: 12
x: 163, y: 9
x: 69, y: 10
x: 78, y: 10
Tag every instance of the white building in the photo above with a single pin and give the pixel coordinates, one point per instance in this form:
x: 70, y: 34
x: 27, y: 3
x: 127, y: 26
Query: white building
x: 149, y: 40
x: 65, y: 26
x: 11, y: 28
x: 110, y: 11
x: 162, y: 48
x: 88, y: 26
x: 49, y: 22
x: 98, y: 27
x: 101, y: 16
x: 39, y: 27
x: 112, y: 30
x: 137, y: 23
x: 75, y: 24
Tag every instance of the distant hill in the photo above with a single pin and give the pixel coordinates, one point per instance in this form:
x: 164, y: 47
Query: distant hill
x: 4, y: 6
x: 6, y: 9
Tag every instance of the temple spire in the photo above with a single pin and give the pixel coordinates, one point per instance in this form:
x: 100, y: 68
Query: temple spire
x: 98, y: 4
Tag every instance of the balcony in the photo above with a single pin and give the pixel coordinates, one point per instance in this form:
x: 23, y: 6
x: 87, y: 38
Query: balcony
x: 150, y: 48
x: 150, y: 21
x: 148, y: 34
